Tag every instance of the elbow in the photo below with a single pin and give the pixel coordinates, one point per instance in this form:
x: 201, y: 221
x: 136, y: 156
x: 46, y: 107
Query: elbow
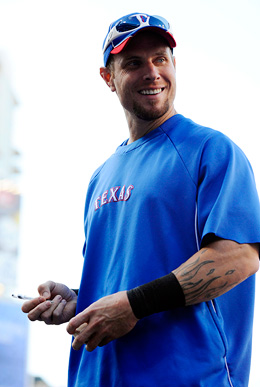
x: 246, y: 261
x: 255, y: 265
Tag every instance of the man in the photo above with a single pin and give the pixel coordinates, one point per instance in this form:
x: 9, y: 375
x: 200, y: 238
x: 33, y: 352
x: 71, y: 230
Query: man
x: 172, y: 227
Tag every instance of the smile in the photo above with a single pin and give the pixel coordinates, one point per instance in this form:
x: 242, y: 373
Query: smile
x: 151, y: 91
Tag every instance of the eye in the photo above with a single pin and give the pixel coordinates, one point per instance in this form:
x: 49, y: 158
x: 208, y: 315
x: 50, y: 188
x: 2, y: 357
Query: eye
x: 161, y: 59
x: 133, y: 63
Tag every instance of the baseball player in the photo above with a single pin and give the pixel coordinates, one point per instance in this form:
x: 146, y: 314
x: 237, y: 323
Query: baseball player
x: 172, y: 229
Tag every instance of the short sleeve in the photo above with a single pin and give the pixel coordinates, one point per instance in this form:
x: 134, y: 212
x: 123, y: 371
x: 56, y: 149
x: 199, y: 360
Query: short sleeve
x: 227, y: 201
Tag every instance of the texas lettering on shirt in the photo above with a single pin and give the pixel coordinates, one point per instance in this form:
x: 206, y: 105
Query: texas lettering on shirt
x: 114, y: 194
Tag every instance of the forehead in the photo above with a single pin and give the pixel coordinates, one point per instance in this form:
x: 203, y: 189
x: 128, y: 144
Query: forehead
x: 144, y: 43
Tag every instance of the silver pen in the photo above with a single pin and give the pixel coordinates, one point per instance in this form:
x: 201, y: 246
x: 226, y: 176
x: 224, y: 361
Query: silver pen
x: 21, y: 297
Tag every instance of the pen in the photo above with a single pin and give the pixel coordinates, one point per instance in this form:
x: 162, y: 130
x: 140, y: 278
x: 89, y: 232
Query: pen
x: 21, y: 297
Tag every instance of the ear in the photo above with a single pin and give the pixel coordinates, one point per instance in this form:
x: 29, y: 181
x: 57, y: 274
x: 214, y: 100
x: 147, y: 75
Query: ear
x: 174, y: 62
x: 108, y: 78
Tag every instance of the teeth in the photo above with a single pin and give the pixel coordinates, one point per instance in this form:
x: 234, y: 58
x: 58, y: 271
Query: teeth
x: 151, y: 92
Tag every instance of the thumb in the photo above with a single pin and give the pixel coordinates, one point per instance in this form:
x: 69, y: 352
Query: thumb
x: 46, y: 289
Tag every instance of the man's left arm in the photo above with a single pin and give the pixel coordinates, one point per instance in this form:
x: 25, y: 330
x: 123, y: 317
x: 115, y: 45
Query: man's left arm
x: 215, y: 269
x: 211, y: 272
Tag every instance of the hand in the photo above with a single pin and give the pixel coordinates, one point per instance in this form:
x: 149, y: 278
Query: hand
x: 103, y: 321
x: 56, y: 304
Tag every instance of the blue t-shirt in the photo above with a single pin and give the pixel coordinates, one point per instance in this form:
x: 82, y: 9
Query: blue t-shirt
x: 148, y: 209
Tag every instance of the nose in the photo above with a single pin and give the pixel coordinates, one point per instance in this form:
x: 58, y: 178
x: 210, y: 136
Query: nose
x: 151, y: 72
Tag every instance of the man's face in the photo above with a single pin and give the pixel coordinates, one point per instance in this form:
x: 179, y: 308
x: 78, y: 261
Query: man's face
x: 143, y: 77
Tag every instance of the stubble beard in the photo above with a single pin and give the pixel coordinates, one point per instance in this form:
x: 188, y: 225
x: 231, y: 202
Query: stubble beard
x: 150, y: 114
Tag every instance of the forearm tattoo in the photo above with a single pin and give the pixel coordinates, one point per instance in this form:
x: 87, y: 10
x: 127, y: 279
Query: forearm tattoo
x: 201, y: 280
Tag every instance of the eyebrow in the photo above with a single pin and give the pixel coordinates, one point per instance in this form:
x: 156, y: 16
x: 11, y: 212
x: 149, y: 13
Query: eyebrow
x: 132, y: 57
x: 159, y: 53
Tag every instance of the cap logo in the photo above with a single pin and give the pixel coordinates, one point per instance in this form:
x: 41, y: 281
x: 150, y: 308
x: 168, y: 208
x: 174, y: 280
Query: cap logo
x: 143, y: 19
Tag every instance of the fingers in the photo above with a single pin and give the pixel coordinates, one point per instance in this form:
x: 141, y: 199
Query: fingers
x: 77, y: 324
x: 29, y: 305
x: 86, y: 335
x: 91, y: 339
x: 35, y: 313
x: 77, y: 333
x: 48, y: 311
x: 58, y: 312
x: 53, y: 312
x: 79, y: 328
x: 92, y: 334
x: 97, y: 341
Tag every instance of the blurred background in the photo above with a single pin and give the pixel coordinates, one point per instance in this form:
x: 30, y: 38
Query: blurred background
x: 59, y: 122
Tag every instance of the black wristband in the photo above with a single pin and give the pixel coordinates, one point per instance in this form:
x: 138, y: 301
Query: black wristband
x: 162, y: 294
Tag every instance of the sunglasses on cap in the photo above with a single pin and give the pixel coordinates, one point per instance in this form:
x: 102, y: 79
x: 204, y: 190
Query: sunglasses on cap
x: 124, y: 28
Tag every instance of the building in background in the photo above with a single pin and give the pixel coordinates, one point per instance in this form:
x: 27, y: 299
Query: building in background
x: 13, y: 324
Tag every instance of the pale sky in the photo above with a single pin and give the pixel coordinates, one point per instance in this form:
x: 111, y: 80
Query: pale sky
x: 68, y: 122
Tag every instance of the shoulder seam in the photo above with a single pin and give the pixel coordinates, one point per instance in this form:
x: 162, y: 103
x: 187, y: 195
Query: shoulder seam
x: 179, y: 156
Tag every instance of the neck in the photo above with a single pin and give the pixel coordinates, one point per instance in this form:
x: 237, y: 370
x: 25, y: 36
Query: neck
x: 139, y: 128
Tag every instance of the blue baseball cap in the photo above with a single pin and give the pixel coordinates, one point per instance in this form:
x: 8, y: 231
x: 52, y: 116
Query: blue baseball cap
x: 123, y: 29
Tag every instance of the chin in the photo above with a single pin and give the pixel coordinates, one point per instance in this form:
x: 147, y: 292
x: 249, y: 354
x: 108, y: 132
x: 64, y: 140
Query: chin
x: 150, y: 114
